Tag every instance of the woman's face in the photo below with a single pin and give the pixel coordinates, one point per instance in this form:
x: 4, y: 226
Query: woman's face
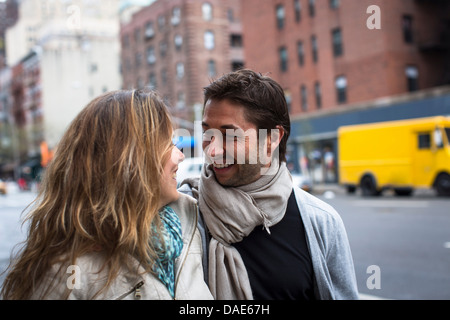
x: 169, y: 192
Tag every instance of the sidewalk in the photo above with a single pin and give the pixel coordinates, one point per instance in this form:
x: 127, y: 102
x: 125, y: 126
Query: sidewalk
x: 322, y: 188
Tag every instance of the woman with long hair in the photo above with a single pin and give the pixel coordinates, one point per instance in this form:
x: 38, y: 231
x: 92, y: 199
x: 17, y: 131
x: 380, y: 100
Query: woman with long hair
x: 108, y: 222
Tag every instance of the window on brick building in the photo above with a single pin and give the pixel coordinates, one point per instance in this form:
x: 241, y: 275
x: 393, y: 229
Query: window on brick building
x: 207, y: 11
x: 152, y: 81
x: 315, y: 50
x: 149, y: 31
x: 312, y: 7
x: 179, y: 68
x: 181, y: 100
x: 163, y: 48
x: 304, y: 97
x: 151, y: 56
x: 137, y: 35
x: 281, y: 15
x: 161, y: 22
x: 341, y: 89
x: 212, y: 72
x: 334, y: 4
x: 176, y: 16
x: 407, y: 29
x: 208, y: 40
x: 300, y: 53
x: 230, y: 15
x: 318, y: 94
x: 138, y: 59
x: 337, y: 42
x: 236, y: 65
x: 236, y: 41
x: 283, y: 59
x: 297, y: 10
x: 178, y: 41
x: 412, y: 77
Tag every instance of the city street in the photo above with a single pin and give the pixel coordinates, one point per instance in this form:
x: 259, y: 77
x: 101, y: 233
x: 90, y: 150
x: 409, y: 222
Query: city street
x: 11, y: 230
x: 407, y: 238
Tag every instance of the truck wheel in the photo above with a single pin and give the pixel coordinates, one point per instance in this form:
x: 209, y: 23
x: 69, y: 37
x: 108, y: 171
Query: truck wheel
x: 368, y: 187
x: 442, y: 185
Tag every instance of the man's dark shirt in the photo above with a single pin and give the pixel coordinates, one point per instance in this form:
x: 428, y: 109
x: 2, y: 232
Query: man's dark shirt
x: 279, y: 265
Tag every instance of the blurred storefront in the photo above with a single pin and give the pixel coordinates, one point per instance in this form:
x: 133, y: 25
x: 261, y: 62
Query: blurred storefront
x: 313, y: 145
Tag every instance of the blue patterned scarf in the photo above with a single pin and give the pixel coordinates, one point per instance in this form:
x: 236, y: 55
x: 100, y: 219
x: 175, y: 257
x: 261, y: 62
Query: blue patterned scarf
x: 170, y: 249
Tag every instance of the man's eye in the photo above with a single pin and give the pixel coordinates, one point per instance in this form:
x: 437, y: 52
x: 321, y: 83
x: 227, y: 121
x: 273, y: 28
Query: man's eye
x: 207, y: 136
x: 231, y: 138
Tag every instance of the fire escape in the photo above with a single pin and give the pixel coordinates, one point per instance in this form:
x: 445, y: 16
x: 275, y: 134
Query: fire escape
x: 437, y: 44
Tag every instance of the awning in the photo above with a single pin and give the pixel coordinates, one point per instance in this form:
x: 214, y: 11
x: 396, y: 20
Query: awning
x: 184, y: 142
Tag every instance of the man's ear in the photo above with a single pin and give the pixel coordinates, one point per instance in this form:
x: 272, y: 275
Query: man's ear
x: 274, y: 139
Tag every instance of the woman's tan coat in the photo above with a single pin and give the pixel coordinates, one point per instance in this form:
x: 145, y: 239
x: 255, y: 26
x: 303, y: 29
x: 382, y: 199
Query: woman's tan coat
x: 84, y: 279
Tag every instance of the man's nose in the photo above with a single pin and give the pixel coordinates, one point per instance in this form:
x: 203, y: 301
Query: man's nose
x: 215, y: 148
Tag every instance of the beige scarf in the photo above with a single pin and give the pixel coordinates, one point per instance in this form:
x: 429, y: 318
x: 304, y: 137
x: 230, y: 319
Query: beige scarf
x: 230, y: 215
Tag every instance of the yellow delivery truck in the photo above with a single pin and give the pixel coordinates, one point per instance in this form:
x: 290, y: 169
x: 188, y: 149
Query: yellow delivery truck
x: 400, y: 155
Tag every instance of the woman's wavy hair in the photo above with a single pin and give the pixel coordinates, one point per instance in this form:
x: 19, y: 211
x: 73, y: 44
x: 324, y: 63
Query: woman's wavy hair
x: 100, y: 192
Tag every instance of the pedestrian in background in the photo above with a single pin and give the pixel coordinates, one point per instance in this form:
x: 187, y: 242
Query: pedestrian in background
x: 108, y: 222
x: 269, y: 239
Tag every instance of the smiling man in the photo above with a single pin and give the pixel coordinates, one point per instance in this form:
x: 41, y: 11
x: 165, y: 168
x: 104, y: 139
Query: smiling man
x: 266, y: 238
x: 239, y: 151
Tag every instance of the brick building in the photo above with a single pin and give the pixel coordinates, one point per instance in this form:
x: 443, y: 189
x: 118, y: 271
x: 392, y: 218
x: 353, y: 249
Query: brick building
x: 325, y: 55
x: 21, y: 116
x: 177, y: 46
x: 8, y: 16
x: 345, y: 62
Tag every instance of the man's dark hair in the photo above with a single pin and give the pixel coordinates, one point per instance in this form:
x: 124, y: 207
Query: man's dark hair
x: 262, y: 97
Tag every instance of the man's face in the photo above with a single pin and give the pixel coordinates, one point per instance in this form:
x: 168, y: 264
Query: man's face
x: 233, y: 154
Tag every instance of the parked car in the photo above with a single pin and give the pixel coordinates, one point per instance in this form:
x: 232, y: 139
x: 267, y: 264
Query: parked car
x: 2, y: 187
x: 189, y: 168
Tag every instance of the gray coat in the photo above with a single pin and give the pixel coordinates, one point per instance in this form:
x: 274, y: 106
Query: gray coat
x: 334, y: 273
